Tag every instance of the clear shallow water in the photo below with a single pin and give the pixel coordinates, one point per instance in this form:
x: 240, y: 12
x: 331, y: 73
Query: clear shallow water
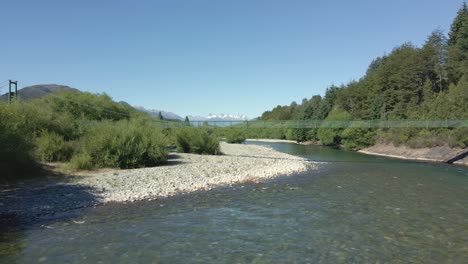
x: 357, y: 208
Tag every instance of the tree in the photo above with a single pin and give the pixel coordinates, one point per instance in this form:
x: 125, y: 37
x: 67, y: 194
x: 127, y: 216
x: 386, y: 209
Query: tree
x: 457, y: 24
x: 435, y: 56
x: 187, y: 121
x: 160, y: 117
x: 332, y: 136
x: 458, y: 46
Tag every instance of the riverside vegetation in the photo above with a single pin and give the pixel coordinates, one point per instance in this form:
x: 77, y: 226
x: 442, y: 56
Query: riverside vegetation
x: 87, y: 131
x: 428, y: 82
x: 92, y: 131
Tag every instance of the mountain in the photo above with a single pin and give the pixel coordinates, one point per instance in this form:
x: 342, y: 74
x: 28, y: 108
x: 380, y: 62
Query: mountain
x: 174, y: 116
x: 38, y: 91
x: 221, y: 117
x: 155, y: 113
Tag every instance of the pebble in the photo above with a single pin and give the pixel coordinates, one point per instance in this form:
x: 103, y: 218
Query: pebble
x: 240, y: 163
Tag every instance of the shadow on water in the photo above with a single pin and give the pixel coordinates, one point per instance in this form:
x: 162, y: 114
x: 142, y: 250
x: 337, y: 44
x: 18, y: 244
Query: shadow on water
x: 38, y: 202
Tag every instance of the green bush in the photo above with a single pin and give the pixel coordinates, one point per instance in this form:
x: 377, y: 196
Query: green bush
x: 460, y: 137
x: 332, y: 136
x: 357, y: 138
x: 329, y: 136
x: 236, y: 136
x: 124, y: 144
x: 197, y: 140
x: 183, y: 138
x: 16, y: 144
x: 81, y: 161
x: 52, y: 147
x: 396, y: 136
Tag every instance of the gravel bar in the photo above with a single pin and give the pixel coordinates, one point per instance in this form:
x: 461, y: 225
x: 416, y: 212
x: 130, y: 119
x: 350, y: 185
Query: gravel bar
x: 191, y: 172
x: 184, y: 173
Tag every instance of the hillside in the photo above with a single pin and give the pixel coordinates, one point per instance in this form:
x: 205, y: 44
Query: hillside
x: 38, y: 91
x: 421, y: 83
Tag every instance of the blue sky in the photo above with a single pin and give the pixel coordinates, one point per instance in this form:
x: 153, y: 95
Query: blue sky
x: 208, y: 56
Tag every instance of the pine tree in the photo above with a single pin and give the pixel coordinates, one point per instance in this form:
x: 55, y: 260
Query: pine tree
x: 187, y: 121
x: 458, y: 46
x: 435, y: 56
x: 160, y: 117
x: 460, y: 19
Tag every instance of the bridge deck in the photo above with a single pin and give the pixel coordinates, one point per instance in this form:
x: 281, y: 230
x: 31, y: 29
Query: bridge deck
x: 320, y: 124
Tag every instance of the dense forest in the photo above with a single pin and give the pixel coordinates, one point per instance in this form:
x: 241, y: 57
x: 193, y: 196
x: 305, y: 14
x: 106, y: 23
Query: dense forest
x: 428, y: 83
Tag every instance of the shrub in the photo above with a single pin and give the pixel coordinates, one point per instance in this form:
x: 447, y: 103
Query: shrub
x: 51, y: 147
x: 183, y: 138
x: 16, y: 145
x: 197, y: 140
x: 460, y: 137
x: 124, y: 144
x: 205, y: 143
x: 81, y: 161
x: 235, y: 136
x: 332, y: 136
x: 397, y: 136
x: 329, y: 136
x: 357, y: 138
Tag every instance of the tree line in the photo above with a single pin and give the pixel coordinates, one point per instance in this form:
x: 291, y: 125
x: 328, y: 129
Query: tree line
x: 428, y: 82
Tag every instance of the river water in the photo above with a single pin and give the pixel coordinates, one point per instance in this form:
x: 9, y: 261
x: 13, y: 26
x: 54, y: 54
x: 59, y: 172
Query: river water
x: 353, y: 209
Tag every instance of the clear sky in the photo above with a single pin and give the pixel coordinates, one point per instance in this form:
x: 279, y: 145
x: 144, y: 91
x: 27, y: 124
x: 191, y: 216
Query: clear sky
x: 207, y: 56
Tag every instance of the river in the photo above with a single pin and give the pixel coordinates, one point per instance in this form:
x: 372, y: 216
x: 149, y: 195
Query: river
x: 354, y: 208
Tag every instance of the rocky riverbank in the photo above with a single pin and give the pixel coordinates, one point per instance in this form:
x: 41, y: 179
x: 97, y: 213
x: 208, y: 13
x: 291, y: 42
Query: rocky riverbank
x: 434, y: 154
x: 184, y: 173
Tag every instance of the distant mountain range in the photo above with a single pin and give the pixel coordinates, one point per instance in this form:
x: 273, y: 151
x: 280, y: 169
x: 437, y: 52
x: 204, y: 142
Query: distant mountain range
x: 210, y: 117
x: 155, y: 113
x: 222, y: 117
x: 38, y: 91
x: 41, y: 90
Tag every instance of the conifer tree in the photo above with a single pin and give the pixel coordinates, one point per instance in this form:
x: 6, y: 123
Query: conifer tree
x: 160, y: 117
x: 457, y: 24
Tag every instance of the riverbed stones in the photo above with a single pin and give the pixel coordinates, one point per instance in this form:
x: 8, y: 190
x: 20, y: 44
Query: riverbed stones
x: 191, y: 172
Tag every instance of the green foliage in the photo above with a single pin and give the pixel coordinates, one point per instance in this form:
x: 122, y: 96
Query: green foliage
x: 81, y: 161
x: 16, y: 144
x: 424, y: 83
x: 457, y: 24
x: 332, y: 136
x: 83, y: 105
x: 357, y: 138
x: 329, y: 136
x: 459, y: 137
x: 392, y: 135
x: 88, y: 130
x: 124, y: 144
x: 197, y: 140
x: 235, y: 135
x: 52, y: 147
x: 183, y: 139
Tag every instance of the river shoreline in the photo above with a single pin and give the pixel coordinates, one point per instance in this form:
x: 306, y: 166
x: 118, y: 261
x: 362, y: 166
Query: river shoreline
x: 184, y: 173
x: 441, y: 154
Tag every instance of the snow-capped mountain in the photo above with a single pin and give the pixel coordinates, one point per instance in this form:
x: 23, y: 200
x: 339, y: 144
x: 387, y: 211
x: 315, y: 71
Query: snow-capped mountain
x: 221, y: 117
x: 210, y: 117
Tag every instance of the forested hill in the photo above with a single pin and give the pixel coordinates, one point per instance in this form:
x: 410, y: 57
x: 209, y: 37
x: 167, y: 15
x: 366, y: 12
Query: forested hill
x: 38, y: 91
x: 428, y: 82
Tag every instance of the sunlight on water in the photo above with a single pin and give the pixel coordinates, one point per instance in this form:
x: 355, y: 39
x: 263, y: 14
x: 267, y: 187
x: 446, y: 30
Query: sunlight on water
x: 355, y: 208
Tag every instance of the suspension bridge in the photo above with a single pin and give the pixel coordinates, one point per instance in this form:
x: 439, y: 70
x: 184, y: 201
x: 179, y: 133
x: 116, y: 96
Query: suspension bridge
x: 307, y: 124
